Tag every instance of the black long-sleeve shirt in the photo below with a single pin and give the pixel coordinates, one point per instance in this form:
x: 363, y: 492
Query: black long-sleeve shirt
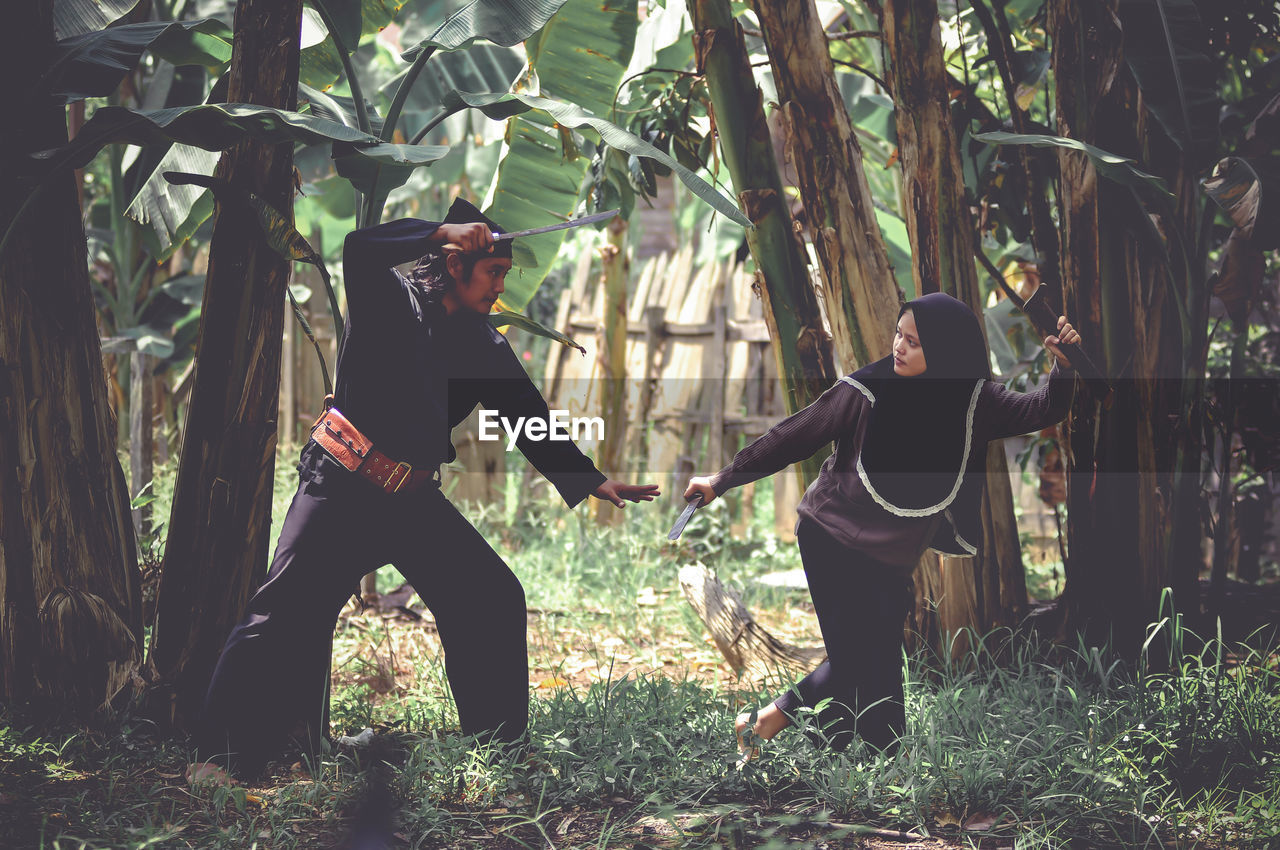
x: 410, y: 372
x: 838, y: 499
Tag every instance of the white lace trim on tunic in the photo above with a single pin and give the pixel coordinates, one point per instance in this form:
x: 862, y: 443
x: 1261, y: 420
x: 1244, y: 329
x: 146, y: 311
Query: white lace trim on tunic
x: 964, y: 463
x: 848, y: 379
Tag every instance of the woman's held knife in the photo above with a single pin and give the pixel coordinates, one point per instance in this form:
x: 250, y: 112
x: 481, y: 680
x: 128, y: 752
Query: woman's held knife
x: 683, y: 520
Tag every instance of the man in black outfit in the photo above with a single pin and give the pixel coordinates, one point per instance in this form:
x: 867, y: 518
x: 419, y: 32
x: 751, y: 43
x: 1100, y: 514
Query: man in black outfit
x: 418, y: 354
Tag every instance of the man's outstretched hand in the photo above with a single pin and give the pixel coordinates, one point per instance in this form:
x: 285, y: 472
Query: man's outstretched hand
x: 620, y: 493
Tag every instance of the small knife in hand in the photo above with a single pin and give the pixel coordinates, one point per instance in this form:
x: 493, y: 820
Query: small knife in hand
x: 694, y: 504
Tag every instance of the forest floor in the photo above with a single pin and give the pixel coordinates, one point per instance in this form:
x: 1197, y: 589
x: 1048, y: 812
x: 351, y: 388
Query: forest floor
x: 1018, y: 743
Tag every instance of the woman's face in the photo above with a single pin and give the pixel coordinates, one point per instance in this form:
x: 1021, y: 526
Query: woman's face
x: 908, y: 355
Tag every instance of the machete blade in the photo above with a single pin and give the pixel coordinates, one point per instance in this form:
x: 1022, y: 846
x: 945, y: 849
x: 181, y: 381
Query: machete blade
x: 694, y: 504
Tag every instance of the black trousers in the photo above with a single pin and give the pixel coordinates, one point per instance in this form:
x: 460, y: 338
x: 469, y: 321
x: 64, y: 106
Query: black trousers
x: 271, y: 674
x: 861, y: 605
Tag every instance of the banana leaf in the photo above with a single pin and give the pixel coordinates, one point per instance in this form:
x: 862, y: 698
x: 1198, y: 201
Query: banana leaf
x: 284, y: 240
x: 503, y: 318
x: 1112, y: 166
x: 504, y: 22
x: 579, y: 57
x: 186, y: 289
x: 484, y: 67
x: 311, y: 335
x: 354, y: 19
x: 1029, y: 69
x: 1235, y: 188
x: 1166, y: 48
x: 93, y: 64
x: 327, y: 106
x: 145, y: 338
x: 338, y: 108
x: 499, y: 105
x: 319, y: 65
x: 211, y: 126
x: 77, y: 17
x: 872, y: 112
x: 378, y: 169
x: 173, y: 213
x: 898, y: 242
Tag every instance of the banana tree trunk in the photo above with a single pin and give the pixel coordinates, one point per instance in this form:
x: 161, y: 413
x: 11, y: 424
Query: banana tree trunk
x: 221, y: 517
x: 64, y: 504
x: 801, y: 346
x: 141, y: 443
x: 613, y: 358
x: 1134, y: 484
x: 861, y: 295
x: 988, y: 591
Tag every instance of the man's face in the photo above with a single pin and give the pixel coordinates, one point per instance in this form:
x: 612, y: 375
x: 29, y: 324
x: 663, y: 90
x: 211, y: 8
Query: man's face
x: 487, y: 282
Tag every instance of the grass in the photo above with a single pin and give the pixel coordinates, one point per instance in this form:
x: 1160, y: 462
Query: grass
x: 1022, y: 743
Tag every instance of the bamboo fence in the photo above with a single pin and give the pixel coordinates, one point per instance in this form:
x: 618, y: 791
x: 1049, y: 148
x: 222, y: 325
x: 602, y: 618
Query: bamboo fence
x: 700, y: 375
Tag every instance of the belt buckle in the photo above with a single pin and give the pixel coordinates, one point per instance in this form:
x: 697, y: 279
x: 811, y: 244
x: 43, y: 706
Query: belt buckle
x: 408, y: 471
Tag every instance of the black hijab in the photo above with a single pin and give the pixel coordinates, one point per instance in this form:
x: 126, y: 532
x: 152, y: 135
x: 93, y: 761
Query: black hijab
x: 918, y: 456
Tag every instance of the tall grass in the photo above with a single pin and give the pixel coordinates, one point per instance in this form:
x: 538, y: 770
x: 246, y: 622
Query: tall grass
x: 1037, y: 744
x: 1050, y: 745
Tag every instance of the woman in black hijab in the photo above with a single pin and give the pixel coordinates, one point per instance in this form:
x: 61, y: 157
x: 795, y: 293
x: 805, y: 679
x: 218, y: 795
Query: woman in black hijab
x: 910, y: 434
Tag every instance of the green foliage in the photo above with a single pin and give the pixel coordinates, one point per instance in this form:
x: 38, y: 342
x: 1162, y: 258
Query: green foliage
x: 1021, y: 740
x: 1165, y: 46
x: 77, y: 17
x: 506, y: 318
x: 502, y: 23
x: 1118, y: 168
x: 356, y: 18
x: 1038, y: 743
x: 212, y: 126
x: 93, y: 64
x: 580, y: 58
x: 174, y: 213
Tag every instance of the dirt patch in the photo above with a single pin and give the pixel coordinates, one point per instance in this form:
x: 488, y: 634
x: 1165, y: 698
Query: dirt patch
x: 565, y: 649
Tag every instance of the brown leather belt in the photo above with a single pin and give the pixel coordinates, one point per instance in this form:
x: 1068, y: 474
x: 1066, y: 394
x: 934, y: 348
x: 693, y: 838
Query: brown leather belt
x: 345, y: 444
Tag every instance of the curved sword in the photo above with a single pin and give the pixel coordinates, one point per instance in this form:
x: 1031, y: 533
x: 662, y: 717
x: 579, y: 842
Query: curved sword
x: 561, y: 225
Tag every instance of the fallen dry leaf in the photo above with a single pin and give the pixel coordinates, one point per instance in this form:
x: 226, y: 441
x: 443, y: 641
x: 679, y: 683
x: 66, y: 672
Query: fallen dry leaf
x: 206, y: 772
x: 949, y: 819
x: 981, y: 822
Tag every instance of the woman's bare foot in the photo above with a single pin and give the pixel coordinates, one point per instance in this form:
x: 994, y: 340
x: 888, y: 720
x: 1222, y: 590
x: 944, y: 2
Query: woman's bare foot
x: 743, y: 734
x: 769, y: 721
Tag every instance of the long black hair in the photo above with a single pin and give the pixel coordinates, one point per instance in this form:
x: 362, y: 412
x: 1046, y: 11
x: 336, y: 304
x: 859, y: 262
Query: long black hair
x: 430, y: 274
